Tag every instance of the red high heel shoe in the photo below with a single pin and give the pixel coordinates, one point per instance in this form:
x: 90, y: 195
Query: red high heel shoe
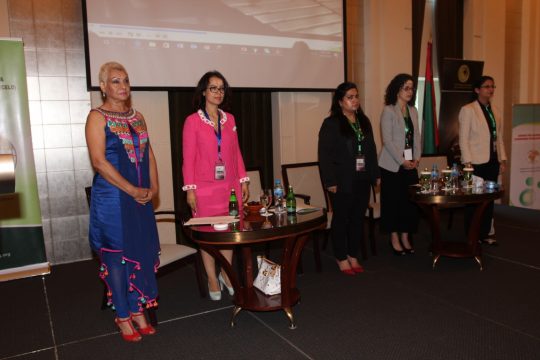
x: 148, y: 330
x: 358, y: 269
x: 349, y: 272
x: 134, y: 336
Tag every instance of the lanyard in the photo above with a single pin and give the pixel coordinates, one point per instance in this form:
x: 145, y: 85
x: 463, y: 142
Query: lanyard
x: 408, y: 129
x: 492, y: 120
x: 218, y: 132
x: 359, y: 134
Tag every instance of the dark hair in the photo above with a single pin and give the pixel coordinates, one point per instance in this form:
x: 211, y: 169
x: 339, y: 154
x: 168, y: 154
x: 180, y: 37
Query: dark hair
x: 478, y: 84
x: 337, y: 113
x: 199, y: 100
x: 392, y: 90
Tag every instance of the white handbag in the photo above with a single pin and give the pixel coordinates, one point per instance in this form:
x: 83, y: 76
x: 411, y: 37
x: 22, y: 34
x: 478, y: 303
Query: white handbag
x: 268, y: 279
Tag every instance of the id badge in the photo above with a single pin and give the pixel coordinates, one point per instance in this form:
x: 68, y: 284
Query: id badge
x: 407, y: 154
x: 219, y: 171
x: 360, y: 162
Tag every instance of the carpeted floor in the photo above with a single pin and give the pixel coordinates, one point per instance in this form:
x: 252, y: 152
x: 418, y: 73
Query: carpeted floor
x: 398, y: 309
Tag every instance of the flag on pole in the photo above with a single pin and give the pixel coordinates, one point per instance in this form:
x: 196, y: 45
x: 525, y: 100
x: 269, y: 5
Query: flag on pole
x: 430, y: 131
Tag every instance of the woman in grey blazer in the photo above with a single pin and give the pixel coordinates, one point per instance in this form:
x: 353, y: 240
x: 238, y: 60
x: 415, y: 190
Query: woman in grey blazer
x: 398, y: 161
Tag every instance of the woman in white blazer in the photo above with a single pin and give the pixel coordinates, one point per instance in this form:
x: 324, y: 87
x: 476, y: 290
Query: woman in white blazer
x: 399, y: 158
x: 481, y: 144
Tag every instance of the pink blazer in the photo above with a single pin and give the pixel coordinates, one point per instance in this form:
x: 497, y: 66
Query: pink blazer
x: 200, y: 151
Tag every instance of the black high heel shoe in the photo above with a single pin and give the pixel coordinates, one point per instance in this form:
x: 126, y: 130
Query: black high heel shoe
x: 396, y: 252
x: 409, y: 251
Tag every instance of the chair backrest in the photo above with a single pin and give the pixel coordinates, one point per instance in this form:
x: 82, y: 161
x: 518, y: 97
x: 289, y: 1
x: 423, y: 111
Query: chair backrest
x: 167, y: 224
x: 255, y: 184
x: 88, y: 191
x: 305, y: 178
x: 428, y: 161
x: 375, y: 194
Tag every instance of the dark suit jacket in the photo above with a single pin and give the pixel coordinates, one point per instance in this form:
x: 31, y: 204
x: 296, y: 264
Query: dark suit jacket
x: 337, y: 156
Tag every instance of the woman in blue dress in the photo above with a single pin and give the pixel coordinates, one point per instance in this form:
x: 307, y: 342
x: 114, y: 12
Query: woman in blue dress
x: 123, y: 230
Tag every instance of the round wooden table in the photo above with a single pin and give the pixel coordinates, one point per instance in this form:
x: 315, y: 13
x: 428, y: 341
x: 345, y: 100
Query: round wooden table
x: 252, y: 229
x: 430, y: 204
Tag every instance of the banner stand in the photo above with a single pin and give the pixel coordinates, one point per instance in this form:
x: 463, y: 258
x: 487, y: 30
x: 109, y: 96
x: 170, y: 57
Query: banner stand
x: 22, y: 246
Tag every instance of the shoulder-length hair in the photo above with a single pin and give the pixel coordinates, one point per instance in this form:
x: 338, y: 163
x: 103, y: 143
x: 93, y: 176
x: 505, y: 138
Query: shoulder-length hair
x: 392, y: 90
x: 199, y: 100
x: 337, y: 113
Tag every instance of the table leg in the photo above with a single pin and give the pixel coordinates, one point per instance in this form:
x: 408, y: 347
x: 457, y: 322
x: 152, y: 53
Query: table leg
x: 436, y: 258
x: 289, y: 313
x: 478, y: 259
x: 235, y: 312
x: 434, y: 218
x: 473, y: 235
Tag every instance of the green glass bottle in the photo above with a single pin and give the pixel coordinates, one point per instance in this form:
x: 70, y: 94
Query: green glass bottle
x: 233, y: 204
x: 291, y: 201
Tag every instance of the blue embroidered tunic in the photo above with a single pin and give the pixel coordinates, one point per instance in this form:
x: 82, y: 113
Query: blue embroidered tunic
x: 123, y: 232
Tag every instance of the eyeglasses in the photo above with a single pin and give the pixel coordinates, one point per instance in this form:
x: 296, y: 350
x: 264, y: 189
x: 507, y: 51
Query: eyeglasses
x: 488, y: 86
x: 407, y: 88
x: 215, y: 89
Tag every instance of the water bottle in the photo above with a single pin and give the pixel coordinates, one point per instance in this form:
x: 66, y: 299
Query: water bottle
x: 233, y: 204
x: 278, y: 196
x: 434, y: 178
x: 454, y: 176
x: 291, y: 201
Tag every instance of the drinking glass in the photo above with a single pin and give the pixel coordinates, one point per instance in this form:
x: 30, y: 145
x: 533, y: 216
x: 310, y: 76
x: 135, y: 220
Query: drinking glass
x: 264, y: 199
x: 467, y: 176
x: 425, y: 177
x: 447, y: 173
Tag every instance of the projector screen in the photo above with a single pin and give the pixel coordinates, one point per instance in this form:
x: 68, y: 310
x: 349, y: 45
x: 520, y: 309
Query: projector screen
x: 266, y: 44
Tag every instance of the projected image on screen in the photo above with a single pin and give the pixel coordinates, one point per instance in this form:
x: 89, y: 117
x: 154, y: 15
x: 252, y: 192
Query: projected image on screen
x: 275, y: 44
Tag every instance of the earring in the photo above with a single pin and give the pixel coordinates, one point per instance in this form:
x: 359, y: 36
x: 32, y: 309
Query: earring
x: 103, y: 95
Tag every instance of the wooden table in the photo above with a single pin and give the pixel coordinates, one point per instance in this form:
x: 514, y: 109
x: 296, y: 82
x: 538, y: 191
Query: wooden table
x: 255, y: 229
x: 430, y: 204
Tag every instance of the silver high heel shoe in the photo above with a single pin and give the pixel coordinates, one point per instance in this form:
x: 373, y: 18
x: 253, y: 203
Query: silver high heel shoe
x: 222, y: 284
x: 214, y: 295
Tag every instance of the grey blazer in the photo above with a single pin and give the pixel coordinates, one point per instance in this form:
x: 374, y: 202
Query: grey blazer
x: 393, y: 137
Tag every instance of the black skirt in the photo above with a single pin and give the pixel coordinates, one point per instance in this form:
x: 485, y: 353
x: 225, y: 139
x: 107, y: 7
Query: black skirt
x: 398, y: 213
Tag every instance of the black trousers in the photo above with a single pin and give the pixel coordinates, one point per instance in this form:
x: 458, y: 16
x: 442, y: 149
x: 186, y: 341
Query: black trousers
x: 349, y: 210
x: 398, y: 213
x: 489, y: 172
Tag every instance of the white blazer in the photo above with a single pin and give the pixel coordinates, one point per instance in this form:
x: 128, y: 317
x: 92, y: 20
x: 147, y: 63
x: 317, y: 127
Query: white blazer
x: 474, y: 136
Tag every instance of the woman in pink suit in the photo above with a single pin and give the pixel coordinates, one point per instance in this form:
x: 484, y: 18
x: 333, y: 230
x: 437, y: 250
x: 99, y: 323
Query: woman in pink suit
x: 213, y: 164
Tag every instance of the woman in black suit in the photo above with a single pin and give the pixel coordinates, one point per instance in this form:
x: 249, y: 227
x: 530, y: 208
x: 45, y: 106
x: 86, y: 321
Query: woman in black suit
x: 348, y: 165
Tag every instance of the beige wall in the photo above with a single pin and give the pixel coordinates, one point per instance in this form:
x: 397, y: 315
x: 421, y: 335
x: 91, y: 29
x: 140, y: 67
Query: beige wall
x: 388, y: 44
x: 4, y: 19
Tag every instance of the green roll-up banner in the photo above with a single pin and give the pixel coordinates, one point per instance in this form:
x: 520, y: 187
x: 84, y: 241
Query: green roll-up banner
x: 22, y: 249
x: 525, y: 162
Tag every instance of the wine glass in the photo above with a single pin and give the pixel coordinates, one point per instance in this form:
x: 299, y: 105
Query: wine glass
x: 266, y: 199
x: 467, y: 176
